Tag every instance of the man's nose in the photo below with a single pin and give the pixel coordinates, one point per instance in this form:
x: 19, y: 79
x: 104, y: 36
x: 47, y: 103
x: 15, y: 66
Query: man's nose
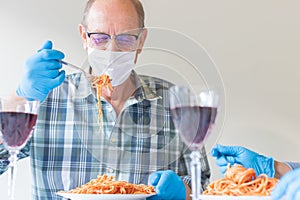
x: 112, y: 46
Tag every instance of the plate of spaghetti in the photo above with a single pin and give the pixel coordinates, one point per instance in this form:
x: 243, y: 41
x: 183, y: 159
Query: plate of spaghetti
x: 105, y: 187
x: 240, y: 183
x: 104, y: 196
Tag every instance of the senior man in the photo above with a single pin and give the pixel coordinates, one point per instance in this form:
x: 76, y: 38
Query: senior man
x: 136, y: 142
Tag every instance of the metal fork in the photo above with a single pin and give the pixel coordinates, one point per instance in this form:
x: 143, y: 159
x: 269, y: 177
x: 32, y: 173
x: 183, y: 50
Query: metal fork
x: 87, y: 75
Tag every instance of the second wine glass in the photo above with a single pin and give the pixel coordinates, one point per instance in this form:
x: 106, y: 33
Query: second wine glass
x: 193, y: 115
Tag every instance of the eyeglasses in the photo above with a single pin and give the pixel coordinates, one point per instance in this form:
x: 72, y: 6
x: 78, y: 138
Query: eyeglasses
x: 125, y: 42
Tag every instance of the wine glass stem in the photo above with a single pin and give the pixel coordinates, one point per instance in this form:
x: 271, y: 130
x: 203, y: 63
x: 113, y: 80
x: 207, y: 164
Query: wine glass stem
x: 12, y: 172
x: 196, y: 174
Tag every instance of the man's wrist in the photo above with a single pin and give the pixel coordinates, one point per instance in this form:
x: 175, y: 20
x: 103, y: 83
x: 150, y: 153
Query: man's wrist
x: 281, y: 169
x: 188, y: 191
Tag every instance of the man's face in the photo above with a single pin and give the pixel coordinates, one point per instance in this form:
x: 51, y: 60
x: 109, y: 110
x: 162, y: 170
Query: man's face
x: 112, y: 17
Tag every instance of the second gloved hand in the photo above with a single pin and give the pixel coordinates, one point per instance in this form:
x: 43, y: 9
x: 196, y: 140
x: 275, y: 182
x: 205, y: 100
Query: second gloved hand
x: 168, y: 185
x: 240, y: 155
x: 42, y: 74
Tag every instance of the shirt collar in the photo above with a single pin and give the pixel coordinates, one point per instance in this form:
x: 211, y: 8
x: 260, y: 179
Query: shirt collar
x: 144, y: 90
x: 83, y: 87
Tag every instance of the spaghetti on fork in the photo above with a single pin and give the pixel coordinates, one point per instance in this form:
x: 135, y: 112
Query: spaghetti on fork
x: 99, y: 82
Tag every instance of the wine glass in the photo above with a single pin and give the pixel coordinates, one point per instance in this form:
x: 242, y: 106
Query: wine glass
x: 17, y: 120
x: 193, y: 115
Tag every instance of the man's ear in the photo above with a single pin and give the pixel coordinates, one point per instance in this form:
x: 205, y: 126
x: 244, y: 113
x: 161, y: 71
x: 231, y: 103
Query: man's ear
x: 141, y: 43
x: 83, y: 36
x: 142, y: 40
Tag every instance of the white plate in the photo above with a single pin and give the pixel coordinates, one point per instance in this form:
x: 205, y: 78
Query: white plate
x: 215, y: 197
x: 104, y: 196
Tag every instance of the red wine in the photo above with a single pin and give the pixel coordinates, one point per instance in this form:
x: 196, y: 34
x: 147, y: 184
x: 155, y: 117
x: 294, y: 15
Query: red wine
x: 16, y: 127
x: 194, y: 123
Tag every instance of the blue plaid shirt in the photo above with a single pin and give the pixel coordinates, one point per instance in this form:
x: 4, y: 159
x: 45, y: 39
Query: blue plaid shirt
x: 68, y: 148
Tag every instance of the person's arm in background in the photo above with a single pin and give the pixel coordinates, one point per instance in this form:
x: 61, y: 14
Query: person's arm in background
x: 281, y: 168
x: 288, y: 172
x: 293, y: 165
x: 239, y: 155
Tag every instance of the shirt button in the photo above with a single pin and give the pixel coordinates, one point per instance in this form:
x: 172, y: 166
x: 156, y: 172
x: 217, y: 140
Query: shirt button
x: 110, y: 170
x: 110, y: 109
x: 114, y: 140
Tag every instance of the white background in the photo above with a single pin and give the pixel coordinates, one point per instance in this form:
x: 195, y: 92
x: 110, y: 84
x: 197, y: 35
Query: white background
x: 255, y: 45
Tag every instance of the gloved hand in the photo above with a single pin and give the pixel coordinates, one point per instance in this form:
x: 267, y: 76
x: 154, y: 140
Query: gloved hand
x: 288, y: 185
x: 168, y: 185
x: 42, y: 73
x: 240, y: 155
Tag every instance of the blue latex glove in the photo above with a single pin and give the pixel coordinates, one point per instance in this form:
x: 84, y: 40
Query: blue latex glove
x: 168, y: 185
x: 42, y: 74
x: 288, y: 185
x: 240, y: 155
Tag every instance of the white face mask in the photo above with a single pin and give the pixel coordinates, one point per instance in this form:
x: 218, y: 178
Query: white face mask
x: 118, y: 65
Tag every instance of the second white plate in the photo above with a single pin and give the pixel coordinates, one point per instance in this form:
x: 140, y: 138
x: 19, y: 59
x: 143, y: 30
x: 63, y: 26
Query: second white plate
x: 215, y: 197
